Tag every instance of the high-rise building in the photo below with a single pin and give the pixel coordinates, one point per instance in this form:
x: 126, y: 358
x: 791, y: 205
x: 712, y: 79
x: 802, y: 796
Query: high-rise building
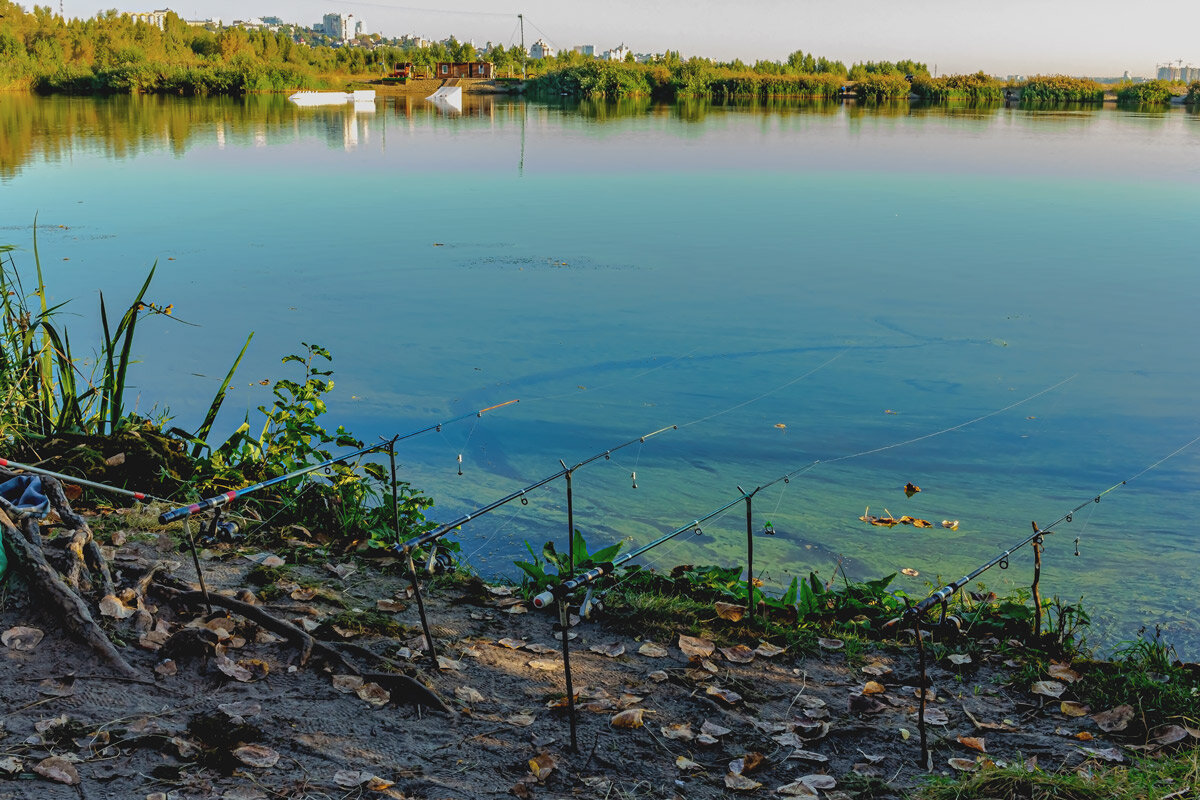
x: 156, y: 18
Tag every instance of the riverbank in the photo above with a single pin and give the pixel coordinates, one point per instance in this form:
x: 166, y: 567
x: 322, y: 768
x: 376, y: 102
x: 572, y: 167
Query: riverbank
x: 674, y: 697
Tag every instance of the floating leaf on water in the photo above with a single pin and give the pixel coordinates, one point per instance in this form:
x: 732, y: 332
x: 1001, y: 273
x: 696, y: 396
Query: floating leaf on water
x: 695, y: 647
x: 1062, y: 672
x: 545, y: 665
x: 521, y: 720
x: 542, y: 765
x: 1048, y: 688
x: 740, y: 783
x: 738, y: 654
x: 910, y: 572
x: 951, y: 524
x: 768, y: 650
x: 256, y: 755
x: 713, y: 729
x: 1073, y: 709
x: 963, y: 764
x: 612, y: 650
x: 922, y: 523
x: 57, y: 769
x: 780, y: 425
x: 680, y: 730
x: 727, y: 696
x: 973, y: 742
x: 730, y: 611
x: 1115, y: 719
x: 830, y: 644
x: 652, y: 650
x: 374, y: 694
x: 629, y: 718
x: 686, y: 763
x: 911, y: 488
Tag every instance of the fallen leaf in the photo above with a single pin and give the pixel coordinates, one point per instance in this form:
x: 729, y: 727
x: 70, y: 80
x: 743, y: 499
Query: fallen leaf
x: 973, y: 742
x: 877, y: 669
x: 738, y: 654
x: 468, y: 694
x: 58, y: 769
x: 680, y: 730
x: 808, y: 755
x: 1084, y: 736
x: 521, y: 720
x: 910, y: 489
x: 963, y: 764
x: 740, y: 783
x: 351, y: 778
x: 1105, y: 754
x: 545, y: 666
x: 1062, y: 672
x: 57, y: 687
x: 873, y: 687
x: 450, y: 664
x: 936, y: 716
x: 727, y: 696
x: 11, y: 765
x: 695, y: 647
x: 652, y: 650
x: 922, y: 523
x: 658, y: 676
x: 629, y: 718
x: 256, y: 755
x: 797, y: 789
x: 512, y: 644
x: 952, y: 524
x: 682, y: 762
x: 21, y: 638
x: 374, y: 694
x: 730, y: 611
x: 304, y: 593
x: 706, y: 740
x: 768, y: 650
x: 713, y: 729
x: 910, y: 572
x: 111, y: 606
x: 749, y: 763
x: 823, y: 782
x: 542, y: 765
x: 830, y: 644
x: 240, y: 709
x: 233, y: 669
x: 390, y: 606
x: 865, y: 704
x: 347, y: 683
x: 1048, y: 688
x: 540, y: 649
x: 1073, y: 709
x: 1115, y: 719
x: 1168, y: 734
x: 612, y: 650
x: 499, y: 591
x: 959, y: 658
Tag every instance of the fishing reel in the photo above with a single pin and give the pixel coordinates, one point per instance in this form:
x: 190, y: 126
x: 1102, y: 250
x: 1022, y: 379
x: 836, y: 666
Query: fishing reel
x: 223, y: 531
x: 439, y: 561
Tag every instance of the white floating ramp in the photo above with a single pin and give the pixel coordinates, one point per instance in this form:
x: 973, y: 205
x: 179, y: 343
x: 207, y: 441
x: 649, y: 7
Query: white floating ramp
x: 447, y: 97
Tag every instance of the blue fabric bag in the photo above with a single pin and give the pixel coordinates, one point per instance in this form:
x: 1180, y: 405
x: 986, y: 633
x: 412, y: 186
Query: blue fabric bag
x: 24, y: 493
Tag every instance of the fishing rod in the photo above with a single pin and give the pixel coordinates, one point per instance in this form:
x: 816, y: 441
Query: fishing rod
x: 233, y: 494
x: 4, y: 462
x: 425, y: 538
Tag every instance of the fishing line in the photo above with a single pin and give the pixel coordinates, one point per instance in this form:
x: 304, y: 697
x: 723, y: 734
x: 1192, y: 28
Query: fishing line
x: 764, y: 394
x: 496, y: 532
x: 619, y: 381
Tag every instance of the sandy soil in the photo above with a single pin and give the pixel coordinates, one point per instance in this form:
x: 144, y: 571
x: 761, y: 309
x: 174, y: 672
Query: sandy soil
x: 198, y: 727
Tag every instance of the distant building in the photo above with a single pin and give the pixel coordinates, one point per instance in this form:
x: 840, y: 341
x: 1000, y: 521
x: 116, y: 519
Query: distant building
x: 585, y: 50
x: 156, y: 18
x: 272, y: 21
x: 342, y: 27
x: 541, y: 49
x: 468, y: 69
x: 211, y: 24
x: 618, y: 53
x: 1166, y: 72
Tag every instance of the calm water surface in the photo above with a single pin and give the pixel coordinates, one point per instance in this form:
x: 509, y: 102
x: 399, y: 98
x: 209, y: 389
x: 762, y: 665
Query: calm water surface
x: 997, y: 304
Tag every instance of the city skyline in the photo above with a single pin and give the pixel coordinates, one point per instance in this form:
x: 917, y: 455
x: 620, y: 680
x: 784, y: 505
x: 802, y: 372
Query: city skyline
x: 1077, y: 37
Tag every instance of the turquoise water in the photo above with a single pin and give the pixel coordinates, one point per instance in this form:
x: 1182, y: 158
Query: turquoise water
x: 724, y: 270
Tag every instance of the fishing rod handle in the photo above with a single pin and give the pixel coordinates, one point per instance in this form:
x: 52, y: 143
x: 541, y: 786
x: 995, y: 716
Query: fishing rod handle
x: 940, y: 596
x: 566, y: 587
x: 195, y: 508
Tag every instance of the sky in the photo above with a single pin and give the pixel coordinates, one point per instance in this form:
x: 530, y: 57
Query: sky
x: 1099, y: 38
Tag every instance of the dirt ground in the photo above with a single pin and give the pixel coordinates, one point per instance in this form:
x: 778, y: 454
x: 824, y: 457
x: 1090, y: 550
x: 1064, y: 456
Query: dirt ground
x: 652, y: 723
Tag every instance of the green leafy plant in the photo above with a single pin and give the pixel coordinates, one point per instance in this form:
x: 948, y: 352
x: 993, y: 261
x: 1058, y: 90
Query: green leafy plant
x: 537, y: 579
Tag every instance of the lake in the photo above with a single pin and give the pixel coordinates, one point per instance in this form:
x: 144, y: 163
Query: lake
x: 996, y: 304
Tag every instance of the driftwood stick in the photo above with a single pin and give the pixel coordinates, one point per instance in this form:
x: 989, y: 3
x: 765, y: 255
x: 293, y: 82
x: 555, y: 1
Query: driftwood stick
x: 71, y: 608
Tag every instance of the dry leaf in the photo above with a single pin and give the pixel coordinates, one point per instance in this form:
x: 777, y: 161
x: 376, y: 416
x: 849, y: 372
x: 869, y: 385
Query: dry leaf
x: 167, y: 667
x: 686, y: 763
x: 873, y: 687
x: 390, y: 606
x: 963, y: 764
x: 1115, y: 719
x: 922, y: 523
x: 936, y: 716
x: 1168, y: 734
x: 877, y: 669
x: 540, y: 649
x: 797, y: 789
x: 1073, y: 709
x: 1062, y: 672
x: 11, y: 765
x: 751, y: 762
x: 713, y: 729
x: 542, y: 765
x: 57, y: 687
x: 449, y: 664
x: 347, y: 683
x: 468, y: 694
x: 695, y: 647
x: 740, y: 783
x: 831, y: 644
x: 240, y: 709
x: 1105, y: 754
x: 303, y: 593
x: 499, y: 591
x: 910, y: 489
x: 680, y: 730
x: 768, y: 650
x: 256, y: 755
x: 57, y: 769
x: 612, y: 650
x: 630, y: 718
x: 517, y: 609
x: 1084, y: 736
x: 21, y: 638
x: 233, y: 670
x: 910, y: 572
x: 652, y: 650
x: 521, y: 720
x: 823, y: 782
x: 111, y: 606
x: 350, y: 778
x: 727, y: 696
x: 738, y: 654
x: 658, y: 676
x: 1048, y: 688
x: 628, y: 700
x: 959, y: 659
x: 706, y: 740
x: 545, y: 666
x: 512, y: 644
x: 730, y: 611
x: 374, y: 694
x: 973, y: 742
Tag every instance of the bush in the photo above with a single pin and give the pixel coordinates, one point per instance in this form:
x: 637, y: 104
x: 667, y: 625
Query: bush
x: 878, y: 87
x: 1148, y: 93
x: 1061, y: 89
